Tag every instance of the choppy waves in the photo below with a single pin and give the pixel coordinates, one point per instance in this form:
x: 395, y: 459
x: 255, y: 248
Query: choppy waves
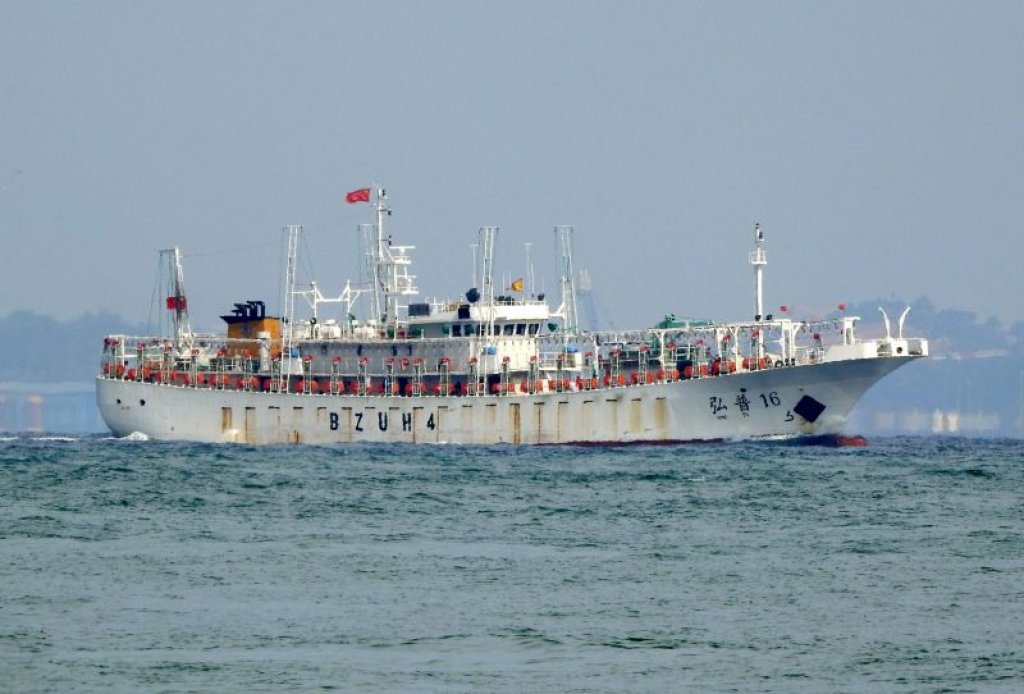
x: 746, y: 567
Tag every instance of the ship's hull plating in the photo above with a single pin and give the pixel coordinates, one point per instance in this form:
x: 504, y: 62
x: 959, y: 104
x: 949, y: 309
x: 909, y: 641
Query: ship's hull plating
x: 784, y: 402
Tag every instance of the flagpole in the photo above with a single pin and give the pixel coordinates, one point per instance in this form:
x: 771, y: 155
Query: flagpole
x: 529, y: 271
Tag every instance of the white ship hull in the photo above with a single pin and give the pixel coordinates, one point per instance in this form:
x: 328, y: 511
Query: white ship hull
x: 809, y: 400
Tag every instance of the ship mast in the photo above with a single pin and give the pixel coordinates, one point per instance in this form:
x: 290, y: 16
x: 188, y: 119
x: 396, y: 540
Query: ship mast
x: 487, y: 239
x: 390, y: 267
x: 758, y: 260
x: 176, y: 300
x: 382, y: 268
x: 288, y: 300
x: 567, y: 310
x: 531, y: 282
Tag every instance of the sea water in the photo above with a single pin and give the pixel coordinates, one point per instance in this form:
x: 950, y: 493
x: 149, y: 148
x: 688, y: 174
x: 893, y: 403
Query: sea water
x: 147, y: 566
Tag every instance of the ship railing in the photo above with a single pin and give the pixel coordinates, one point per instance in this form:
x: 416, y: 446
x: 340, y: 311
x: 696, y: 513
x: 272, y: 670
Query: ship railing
x: 618, y: 359
x: 805, y: 356
x: 552, y: 361
x: 202, y: 359
x: 722, y: 348
x: 232, y: 362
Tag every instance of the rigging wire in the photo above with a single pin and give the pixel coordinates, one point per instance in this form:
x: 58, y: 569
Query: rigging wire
x: 153, y: 323
x: 234, y: 250
x: 248, y: 247
x: 306, y: 258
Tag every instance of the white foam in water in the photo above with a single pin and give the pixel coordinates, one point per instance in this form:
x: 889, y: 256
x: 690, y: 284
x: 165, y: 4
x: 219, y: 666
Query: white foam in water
x: 55, y: 438
x: 134, y: 436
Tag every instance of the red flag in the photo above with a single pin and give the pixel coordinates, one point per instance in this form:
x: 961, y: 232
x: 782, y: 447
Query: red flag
x: 361, y: 195
x: 172, y: 303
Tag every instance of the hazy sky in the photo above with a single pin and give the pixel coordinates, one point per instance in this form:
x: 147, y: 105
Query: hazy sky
x: 881, y: 145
